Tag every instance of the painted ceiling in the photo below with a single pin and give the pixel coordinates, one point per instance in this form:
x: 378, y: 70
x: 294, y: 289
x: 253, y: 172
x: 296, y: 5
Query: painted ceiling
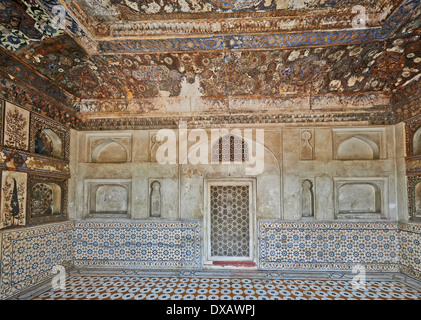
x: 155, y: 56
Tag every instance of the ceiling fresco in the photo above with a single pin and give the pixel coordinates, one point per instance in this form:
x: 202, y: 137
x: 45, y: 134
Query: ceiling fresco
x: 213, y: 69
x: 163, y: 25
x: 22, y: 23
x: 357, y: 68
x: 138, y: 9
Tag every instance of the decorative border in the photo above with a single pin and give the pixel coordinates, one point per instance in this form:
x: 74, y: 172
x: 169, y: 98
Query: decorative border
x: 271, y: 41
x: 28, y: 255
x: 39, y: 123
x: 26, y: 99
x: 373, y: 117
x: 62, y: 183
x: 138, y: 248
x: 50, y: 168
x: 11, y: 65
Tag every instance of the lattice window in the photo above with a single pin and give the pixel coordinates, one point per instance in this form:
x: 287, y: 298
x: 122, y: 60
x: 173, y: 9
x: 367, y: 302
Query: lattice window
x: 230, y: 228
x: 229, y: 148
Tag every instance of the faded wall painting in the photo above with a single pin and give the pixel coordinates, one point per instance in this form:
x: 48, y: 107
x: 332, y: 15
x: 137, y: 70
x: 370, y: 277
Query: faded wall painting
x: 13, y: 199
x: 414, y: 197
x: 16, y: 127
x: 47, y: 199
x: 418, y: 199
x: 416, y: 142
x: 49, y: 138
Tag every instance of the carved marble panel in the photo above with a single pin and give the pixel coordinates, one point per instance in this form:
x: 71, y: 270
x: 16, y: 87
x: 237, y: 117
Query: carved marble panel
x: 307, y: 144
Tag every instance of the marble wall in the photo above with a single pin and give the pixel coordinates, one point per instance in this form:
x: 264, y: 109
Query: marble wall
x: 333, y: 158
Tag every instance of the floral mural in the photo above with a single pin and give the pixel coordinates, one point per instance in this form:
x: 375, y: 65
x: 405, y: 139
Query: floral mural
x: 13, y: 195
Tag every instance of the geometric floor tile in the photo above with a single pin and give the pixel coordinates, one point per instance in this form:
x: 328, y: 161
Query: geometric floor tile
x: 80, y: 287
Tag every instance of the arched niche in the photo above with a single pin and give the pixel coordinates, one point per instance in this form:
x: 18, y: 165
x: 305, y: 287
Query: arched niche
x: 109, y: 151
x: 45, y: 199
x: 109, y: 198
x: 359, y: 198
x: 358, y: 148
x: 307, y: 198
x: 48, y: 143
x: 417, y: 200
x: 416, y: 142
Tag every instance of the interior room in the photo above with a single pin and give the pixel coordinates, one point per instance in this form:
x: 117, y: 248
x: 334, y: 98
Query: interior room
x: 210, y: 149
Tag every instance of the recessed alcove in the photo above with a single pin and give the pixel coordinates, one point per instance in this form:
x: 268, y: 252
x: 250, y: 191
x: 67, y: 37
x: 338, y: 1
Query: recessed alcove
x: 107, y: 198
x: 358, y: 148
x: 359, y: 144
x: 360, y: 198
x: 417, y: 199
x: 416, y: 142
x: 45, y: 199
x: 110, y: 147
x: 109, y: 151
x: 47, y: 142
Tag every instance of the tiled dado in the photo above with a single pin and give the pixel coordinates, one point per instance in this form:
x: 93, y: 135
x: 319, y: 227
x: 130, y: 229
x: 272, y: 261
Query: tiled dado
x: 328, y: 246
x: 28, y: 255
x: 137, y: 244
x: 410, y: 249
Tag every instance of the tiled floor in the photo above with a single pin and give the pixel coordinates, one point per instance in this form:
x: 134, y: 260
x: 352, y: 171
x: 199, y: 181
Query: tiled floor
x: 219, y: 288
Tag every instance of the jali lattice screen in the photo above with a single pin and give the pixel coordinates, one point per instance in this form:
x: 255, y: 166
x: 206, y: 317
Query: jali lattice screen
x: 230, y: 227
